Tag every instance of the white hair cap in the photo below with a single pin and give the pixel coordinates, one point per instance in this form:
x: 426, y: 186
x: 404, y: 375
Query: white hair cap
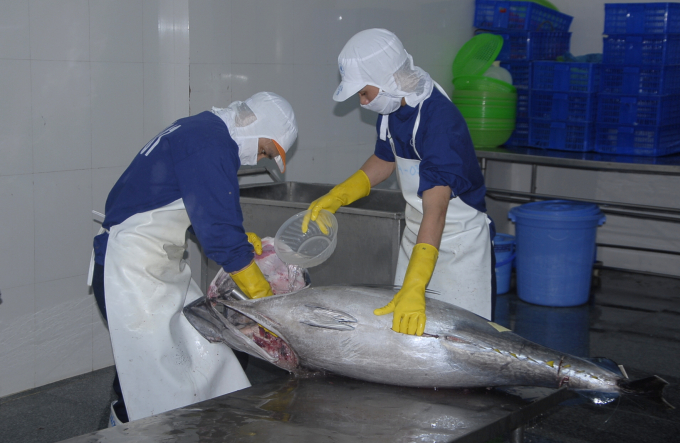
x: 264, y: 115
x: 377, y: 57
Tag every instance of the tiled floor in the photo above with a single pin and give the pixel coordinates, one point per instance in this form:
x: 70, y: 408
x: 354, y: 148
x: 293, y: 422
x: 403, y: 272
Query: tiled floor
x: 632, y: 319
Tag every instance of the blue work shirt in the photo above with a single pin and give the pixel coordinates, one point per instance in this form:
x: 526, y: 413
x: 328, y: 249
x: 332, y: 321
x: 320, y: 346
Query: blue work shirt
x: 445, y: 147
x: 194, y: 159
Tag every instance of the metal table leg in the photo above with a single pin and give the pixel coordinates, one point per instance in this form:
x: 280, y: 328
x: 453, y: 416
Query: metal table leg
x: 517, y: 435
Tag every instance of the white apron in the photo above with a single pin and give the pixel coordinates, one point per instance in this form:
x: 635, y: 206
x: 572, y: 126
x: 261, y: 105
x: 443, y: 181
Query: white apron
x: 462, y: 275
x: 163, y: 363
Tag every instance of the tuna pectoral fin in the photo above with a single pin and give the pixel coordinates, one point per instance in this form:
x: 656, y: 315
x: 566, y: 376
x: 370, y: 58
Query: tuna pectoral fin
x: 650, y: 387
x: 321, y: 317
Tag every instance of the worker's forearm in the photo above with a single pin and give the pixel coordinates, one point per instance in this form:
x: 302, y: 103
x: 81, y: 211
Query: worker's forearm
x: 435, y: 204
x: 377, y: 170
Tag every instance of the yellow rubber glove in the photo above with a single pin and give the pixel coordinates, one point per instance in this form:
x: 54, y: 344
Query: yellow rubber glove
x: 252, y: 282
x: 408, y: 304
x: 255, y: 240
x: 349, y: 191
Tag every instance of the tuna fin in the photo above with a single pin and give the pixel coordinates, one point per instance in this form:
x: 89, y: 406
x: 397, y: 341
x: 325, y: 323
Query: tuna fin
x: 498, y: 327
x: 650, y: 387
x: 321, y: 317
x: 607, y: 364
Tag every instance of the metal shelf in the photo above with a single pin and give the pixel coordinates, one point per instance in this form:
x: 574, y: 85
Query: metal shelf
x: 590, y: 161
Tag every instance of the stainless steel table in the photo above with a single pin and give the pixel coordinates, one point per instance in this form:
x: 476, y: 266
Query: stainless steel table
x: 336, y: 409
x: 664, y: 166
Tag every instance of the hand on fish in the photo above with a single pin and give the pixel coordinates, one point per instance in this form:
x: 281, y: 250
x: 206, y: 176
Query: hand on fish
x: 408, y: 304
x: 408, y: 307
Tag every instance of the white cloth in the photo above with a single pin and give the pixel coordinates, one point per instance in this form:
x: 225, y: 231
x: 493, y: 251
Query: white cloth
x: 163, y: 363
x: 264, y: 115
x: 377, y: 57
x: 462, y: 275
x: 383, y: 103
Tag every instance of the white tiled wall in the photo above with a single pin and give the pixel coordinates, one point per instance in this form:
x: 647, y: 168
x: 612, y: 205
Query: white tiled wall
x: 290, y: 47
x: 85, y: 83
x: 15, y: 124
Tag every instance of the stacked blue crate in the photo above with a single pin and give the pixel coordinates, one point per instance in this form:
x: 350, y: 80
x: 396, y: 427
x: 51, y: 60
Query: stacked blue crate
x: 563, y: 105
x: 521, y: 75
x: 639, y: 101
x: 530, y: 32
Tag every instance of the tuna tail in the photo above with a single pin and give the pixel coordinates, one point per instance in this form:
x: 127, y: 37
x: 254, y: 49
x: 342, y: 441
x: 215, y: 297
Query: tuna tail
x: 650, y: 387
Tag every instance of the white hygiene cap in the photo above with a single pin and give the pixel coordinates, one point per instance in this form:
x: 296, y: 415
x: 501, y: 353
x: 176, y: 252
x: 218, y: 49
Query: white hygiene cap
x: 377, y: 57
x: 264, y: 115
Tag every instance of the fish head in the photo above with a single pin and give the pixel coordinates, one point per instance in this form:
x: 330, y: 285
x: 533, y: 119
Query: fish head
x: 268, y: 328
x: 271, y: 328
x: 248, y: 330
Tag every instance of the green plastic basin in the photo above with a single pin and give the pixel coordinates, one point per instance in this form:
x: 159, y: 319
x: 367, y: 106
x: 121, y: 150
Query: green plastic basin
x: 493, y: 112
x: 480, y: 83
x: 489, y: 138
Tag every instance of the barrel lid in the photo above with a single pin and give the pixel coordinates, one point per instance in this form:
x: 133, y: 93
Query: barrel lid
x: 558, y: 210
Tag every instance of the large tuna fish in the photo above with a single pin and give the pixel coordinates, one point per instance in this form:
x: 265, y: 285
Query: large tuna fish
x: 334, y: 329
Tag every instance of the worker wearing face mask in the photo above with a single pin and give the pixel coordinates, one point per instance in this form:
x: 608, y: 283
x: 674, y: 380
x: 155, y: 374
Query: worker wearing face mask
x: 186, y: 176
x: 446, y: 246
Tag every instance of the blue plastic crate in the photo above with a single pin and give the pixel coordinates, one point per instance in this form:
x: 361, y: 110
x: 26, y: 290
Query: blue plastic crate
x: 563, y: 106
x: 519, y: 45
x: 641, y: 50
x: 660, y: 80
x: 564, y: 136
x: 522, y: 103
x: 520, y: 136
x: 651, y: 141
x: 521, y: 73
x: 565, y: 76
x: 520, y: 16
x: 646, y: 110
x: 641, y: 18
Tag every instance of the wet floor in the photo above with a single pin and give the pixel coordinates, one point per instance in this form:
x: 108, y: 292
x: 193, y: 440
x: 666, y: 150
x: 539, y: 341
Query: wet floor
x: 632, y: 319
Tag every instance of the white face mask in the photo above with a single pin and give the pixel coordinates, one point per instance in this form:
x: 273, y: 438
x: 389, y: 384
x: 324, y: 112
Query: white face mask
x: 383, y: 103
x: 247, y: 150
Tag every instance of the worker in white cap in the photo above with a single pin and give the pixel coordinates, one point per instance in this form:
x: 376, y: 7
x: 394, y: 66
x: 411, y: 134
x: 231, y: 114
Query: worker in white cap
x: 186, y: 176
x: 446, y: 246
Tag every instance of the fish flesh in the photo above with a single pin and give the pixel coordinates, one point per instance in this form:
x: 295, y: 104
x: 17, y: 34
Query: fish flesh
x: 282, y: 278
x: 333, y: 329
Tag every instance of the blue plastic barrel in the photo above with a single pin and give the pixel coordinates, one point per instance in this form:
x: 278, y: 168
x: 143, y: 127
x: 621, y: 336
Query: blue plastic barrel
x: 563, y: 329
x: 501, y: 313
x: 504, y: 250
x: 555, y: 243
